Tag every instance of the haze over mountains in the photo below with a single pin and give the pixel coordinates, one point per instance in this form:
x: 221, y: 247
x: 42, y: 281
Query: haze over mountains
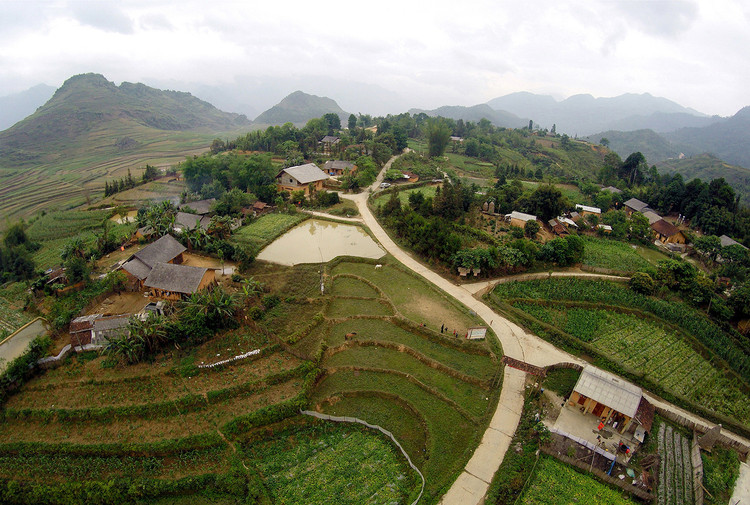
x: 89, y: 112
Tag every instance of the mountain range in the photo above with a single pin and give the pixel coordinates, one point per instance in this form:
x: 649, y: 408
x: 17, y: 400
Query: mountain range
x: 17, y: 106
x: 299, y: 108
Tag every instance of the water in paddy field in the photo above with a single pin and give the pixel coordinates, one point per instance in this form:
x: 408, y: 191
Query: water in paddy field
x: 316, y: 241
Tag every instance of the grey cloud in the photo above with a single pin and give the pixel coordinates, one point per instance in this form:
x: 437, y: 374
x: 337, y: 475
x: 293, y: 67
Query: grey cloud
x: 660, y: 17
x: 102, y: 15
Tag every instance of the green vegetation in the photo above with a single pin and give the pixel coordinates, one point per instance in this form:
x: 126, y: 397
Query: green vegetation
x: 562, y: 381
x: 265, y: 230
x: 340, y: 455
x: 667, y: 346
x: 618, y: 256
x: 555, y: 483
x: 721, y: 467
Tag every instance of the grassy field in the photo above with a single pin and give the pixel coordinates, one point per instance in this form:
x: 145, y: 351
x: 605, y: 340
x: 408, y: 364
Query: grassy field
x: 676, y: 347
x: 265, y: 230
x: 619, y: 256
x: 554, y: 483
x: 12, y: 315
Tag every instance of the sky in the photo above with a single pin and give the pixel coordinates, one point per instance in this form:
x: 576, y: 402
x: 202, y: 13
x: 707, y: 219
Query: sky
x: 419, y: 53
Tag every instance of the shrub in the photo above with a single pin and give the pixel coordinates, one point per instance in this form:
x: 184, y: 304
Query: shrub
x: 642, y: 282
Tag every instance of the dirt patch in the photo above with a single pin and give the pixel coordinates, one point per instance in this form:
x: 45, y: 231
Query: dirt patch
x: 430, y: 311
x: 123, y: 303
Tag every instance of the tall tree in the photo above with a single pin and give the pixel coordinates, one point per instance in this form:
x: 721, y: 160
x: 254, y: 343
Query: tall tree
x: 438, y: 135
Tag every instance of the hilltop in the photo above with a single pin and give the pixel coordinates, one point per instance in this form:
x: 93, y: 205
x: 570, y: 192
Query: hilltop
x: 476, y: 113
x: 584, y: 114
x: 92, y: 129
x: 299, y: 108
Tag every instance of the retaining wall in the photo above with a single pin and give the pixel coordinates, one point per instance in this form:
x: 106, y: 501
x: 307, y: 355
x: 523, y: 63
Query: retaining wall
x: 339, y: 419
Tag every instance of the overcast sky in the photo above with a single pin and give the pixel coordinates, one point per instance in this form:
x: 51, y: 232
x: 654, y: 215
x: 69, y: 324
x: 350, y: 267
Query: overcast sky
x: 431, y: 53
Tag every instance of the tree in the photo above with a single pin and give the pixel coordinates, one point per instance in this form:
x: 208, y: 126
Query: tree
x: 641, y: 282
x: 150, y: 173
x: 531, y: 229
x: 547, y: 201
x: 604, y: 141
x: 332, y: 121
x: 352, y: 123
x: 438, y: 136
x: 708, y: 245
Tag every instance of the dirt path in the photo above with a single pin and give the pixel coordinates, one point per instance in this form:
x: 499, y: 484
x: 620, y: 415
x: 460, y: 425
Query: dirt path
x: 483, y: 287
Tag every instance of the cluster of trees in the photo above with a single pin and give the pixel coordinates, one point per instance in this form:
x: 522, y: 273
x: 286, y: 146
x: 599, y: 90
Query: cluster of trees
x: 16, y: 262
x: 195, y: 320
x: 209, y: 175
x: 150, y: 173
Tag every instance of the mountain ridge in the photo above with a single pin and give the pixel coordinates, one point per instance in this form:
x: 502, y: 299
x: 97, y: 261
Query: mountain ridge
x: 300, y: 107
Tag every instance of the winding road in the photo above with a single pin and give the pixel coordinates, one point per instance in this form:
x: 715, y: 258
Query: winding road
x: 471, y: 486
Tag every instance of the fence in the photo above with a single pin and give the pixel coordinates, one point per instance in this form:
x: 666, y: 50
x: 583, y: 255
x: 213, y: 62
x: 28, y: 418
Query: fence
x: 339, y: 419
x: 613, y: 481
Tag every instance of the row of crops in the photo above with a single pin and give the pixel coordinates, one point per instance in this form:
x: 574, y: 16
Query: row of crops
x: 729, y: 346
x: 661, y: 354
x: 675, y: 470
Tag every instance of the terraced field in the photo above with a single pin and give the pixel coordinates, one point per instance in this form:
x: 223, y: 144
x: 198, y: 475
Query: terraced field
x: 387, y: 363
x: 673, y: 347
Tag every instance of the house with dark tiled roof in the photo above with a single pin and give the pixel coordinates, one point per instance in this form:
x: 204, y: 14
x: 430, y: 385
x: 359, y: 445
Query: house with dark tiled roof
x: 667, y: 233
x: 139, y: 265
x: 186, y: 221
x: 634, y: 205
x: 727, y: 241
x: 200, y: 207
x: 328, y: 142
x: 173, y: 282
x: 97, y: 329
x: 335, y: 168
x: 301, y: 177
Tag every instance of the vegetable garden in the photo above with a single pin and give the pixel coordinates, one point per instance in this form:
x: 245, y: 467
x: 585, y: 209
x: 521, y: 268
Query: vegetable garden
x: 667, y: 345
x: 675, y: 470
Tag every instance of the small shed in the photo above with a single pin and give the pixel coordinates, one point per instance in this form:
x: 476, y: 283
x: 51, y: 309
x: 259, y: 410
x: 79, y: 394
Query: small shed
x: 585, y: 210
x: 519, y: 219
x: 557, y: 227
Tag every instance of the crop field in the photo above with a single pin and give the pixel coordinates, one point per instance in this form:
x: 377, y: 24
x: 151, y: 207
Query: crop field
x: 653, y: 346
x: 265, y: 230
x: 431, y: 390
x: 353, y: 465
x: 555, y: 483
x: 618, y: 256
x: 55, y: 229
x: 676, y: 469
x: 12, y: 315
x: 403, y: 194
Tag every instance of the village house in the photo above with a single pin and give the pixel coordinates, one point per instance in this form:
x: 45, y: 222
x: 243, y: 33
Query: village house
x: 256, y: 209
x: 557, y: 227
x: 635, y: 205
x: 585, y: 210
x: 200, y: 207
x: 174, y: 282
x: 605, y: 228
x: 616, y: 403
x: 139, y: 265
x: 727, y: 241
x: 186, y: 221
x: 519, y: 219
x: 301, y: 177
x: 410, y: 177
x: 651, y: 216
x: 328, y: 142
x: 336, y: 168
x: 612, y: 190
x: 97, y: 329
x: 667, y: 233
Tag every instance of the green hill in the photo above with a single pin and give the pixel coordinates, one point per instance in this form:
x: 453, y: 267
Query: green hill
x: 475, y: 114
x: 707, y: 167
x: 299, y: 108
x: 652, y: 145
x: 92, y: 130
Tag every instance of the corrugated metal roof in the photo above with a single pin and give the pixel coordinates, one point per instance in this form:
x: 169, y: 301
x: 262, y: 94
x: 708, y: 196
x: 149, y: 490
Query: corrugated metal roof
x: 307, y: 173
x: 609, y: 390
x: 520, y: 215
x: 586, y: 208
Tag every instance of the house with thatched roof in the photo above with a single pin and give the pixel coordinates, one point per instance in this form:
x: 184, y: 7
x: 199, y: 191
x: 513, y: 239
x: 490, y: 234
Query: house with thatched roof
x: 301, y: 177
x: 173, y: 282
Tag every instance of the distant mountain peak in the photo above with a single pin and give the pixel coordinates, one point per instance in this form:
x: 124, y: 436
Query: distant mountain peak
x: 300, y: 107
